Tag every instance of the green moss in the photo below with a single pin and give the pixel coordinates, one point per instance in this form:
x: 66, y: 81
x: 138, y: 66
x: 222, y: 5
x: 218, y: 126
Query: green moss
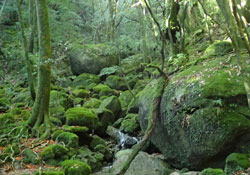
x: 103, y: 90
x: 76, y: 167
x: 96, y: 140
x: 92, y: 103
x: 30, y: 156
x: 81, y: 93
x: 125, y: 99
x: 85, y: 80
x: 4, y: 104
x: 116, y: 82
x: 75, y: 129
x: 223, y: 84
x: 49, y: 172
x: 81, y: 116
x: 56, y: 121
x: 69, y: 139
x: 111, y: 103
x: 211, y: 171
x: 236, y: 162
x: 130, y: 123
x: 56, y: 133
x: 58, y: 98
x: 53, y: 154
x: 219, y: 48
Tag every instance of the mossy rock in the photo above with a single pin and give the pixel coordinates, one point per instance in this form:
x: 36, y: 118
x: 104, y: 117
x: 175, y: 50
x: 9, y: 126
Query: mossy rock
x: 94, y: 159
x: 106, y: 118
x: 91, y: 58
x: 86, y: 80
x: 130, y: 124
x: 219, y: 48
x: 75, y: 167
x: 103, y: 90
x: 236, y: 162
x: 81, y: 93
x: 80, y: 116
x: 56, y: 133
x: 202, y: 112
x: 76, y: 129
x: 30, y: 156
x: 49, y: 172
x: 54, y: 154
x: 69, y: 139
x: 92, y: 103
x: 116, y: 82
x: 58, y: 98
x: 212, y: 171
x: 113, y: 104
x: 58, y: 112
x: 125, y: 99
x: 96, y: 140
x: 56, y: 121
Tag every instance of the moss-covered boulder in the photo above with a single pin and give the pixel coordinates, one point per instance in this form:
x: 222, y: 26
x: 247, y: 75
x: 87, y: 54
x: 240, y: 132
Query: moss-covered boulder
x: 212, y: 171
x: 81, y: 93
x: 103, y: 90
x: 125, y: 99
x: 69, y: 139
x: 54, y: 154
x: 219, y: 48
x: 143, y: 164
x: 116, y: 82
x: 86, y: 80
x: 92, y: 103
x: 130, y: 124
x: 236, y: 162
x: 113, y: 104
x: 80, y: 116
x: 75, y: 167
x: 91, y: 58
x: 201, y: 115
x: 94, y: 159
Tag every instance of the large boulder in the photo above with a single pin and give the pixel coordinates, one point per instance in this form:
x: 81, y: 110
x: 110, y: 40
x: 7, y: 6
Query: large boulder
x: 91, y: 58
x: 203, y: 114
x: 143, y: 164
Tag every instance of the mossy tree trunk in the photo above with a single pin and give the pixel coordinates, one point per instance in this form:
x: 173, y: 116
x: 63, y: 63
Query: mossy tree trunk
x: 40, y: 112
x: 112, y: 15
x: 26, y: 51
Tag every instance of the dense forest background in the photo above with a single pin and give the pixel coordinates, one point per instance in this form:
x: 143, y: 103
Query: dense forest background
x: 134, y: 87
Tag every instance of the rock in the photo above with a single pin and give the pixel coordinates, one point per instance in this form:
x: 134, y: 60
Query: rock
x: 116, y: 82
x: 94, y: 159
x: 53, y: 154
x: 200, y: 114
x: 86, y: 80
x: 237, y: 162
x: 92, y: 103
x: 106, y: 118
x: 132, y: 62
x: 69, y: 139
x: 91, y: 58
x: 124, y: 140
x: 80, y: 116
x: 75, y: 167
x: 212, y: 171
x: 103, y: 90
x: 125, y: 99
x: 186, y: 173
x: 130, y: 124
x: 96, y: 140
x: 81, y: 93
x: 219, y: 48
x: 143, y: 164
x: 113, y: 104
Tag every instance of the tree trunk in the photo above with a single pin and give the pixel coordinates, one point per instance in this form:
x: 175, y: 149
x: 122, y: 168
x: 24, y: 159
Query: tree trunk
x: 112, y: 11
x: 40, y: 112
x: 26, y: 52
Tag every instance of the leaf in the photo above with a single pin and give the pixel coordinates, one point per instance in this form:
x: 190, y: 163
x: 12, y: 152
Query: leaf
x: 109, y: 70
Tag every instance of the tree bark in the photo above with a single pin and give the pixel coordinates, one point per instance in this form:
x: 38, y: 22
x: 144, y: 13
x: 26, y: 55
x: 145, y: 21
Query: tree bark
x: 40, y: 111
